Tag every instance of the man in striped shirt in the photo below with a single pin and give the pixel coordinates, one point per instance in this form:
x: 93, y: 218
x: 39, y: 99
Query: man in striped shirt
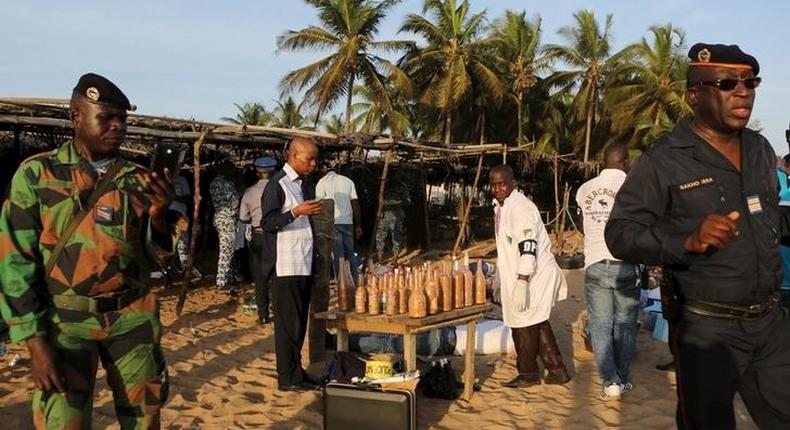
x: 287, y: 203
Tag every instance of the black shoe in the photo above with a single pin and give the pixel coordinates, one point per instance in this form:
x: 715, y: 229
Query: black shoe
x: 304, y: 386
x: 522, y: 381
x: 307, y: 380
x: 294, y: 387
x: 558, y: 378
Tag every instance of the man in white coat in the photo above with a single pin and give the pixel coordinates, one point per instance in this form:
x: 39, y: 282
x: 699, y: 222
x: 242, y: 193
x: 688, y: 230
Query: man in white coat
x: 530, y: 281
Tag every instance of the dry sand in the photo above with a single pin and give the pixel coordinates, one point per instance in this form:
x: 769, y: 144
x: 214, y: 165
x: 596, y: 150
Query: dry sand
x: 222, y: 377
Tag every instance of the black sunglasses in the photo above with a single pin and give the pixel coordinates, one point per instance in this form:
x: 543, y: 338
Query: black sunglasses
x: 729, y: 84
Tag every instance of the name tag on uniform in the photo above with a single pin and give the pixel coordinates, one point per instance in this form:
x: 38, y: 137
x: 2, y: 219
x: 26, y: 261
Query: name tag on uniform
x: 696, y: 183
x: 753, y: 202
x: 103, y: 214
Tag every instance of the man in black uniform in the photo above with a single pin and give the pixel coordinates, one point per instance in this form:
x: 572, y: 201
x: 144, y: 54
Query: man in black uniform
x: 703, y: 201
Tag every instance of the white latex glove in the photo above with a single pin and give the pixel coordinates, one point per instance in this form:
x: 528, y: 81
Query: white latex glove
x: 247, y: 231
x: 521, y: 296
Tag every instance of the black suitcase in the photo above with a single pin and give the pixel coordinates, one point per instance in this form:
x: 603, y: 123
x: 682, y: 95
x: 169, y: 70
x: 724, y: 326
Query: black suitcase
x: 363, y: 407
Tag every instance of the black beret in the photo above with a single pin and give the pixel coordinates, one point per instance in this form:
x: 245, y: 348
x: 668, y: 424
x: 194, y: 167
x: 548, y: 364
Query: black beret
x: 99, y: 90
x: 704, y: 54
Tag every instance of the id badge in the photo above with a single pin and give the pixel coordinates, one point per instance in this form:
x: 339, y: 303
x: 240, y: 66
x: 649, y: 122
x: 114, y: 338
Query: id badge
x: 103, y: 214
x: 753, y: 203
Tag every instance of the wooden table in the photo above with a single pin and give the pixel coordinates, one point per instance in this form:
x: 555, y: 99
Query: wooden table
x: 346, y: 322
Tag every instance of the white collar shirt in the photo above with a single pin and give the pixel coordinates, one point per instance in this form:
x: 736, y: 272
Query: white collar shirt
x: 295, y: 240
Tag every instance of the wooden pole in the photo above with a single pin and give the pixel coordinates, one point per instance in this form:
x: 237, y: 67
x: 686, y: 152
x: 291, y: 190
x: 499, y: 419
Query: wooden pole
x: 556, y: 195
x: 380, y: 206
x: 472, y: 192
x: 324, y: 227
x: 426, y: 205
x: 182, y: 295
x: 561, y: 217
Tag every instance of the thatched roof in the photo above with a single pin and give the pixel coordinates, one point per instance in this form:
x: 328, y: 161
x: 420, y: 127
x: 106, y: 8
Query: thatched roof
x: 48, y: 119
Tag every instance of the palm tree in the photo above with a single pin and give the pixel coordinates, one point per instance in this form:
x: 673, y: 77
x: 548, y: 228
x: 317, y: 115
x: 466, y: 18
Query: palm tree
x: 373, y: 118
x: 646, y: 94
x: 347, y: 30
x: 555, y: 125
x: 518, y: 51
x: 334, y: 124
x: 288, y: 114
x: 455, y: 60
x: 588, y: 56
x: 250, y: 114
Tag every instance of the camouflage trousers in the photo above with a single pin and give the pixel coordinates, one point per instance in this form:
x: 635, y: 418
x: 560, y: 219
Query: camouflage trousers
x: 391, y: 225
x: 226, y: 229
x: 182, y: 248
x: 127, y: 344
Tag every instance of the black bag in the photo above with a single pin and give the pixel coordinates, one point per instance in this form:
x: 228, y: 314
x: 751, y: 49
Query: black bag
x: 363, y: 407
x: 342, y: 366
x: 439, y: 381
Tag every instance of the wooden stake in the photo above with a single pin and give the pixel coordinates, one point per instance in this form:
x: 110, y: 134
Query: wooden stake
x: 380, y: 207
x: 426, y: 204
x: 473, y: 191
x: 182, y: 295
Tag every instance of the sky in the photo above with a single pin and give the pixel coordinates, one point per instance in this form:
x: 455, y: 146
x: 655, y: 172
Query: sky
x: 195, y: 59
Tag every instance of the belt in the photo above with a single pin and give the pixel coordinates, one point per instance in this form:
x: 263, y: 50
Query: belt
x: 721, y: 310
x: 99, y: 305
x: 615, y: 262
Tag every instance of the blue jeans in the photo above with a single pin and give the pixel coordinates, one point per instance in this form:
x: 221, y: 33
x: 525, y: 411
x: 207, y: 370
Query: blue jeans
x: 344, y: 247
x: 612, y: 305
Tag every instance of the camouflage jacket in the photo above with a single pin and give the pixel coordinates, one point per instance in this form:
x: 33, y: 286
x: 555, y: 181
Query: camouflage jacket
x: 111, y: 250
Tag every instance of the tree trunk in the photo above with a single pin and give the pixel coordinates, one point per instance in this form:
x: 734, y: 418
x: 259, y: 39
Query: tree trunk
x: 520, y: 119
x: 588, y: 129
x: 448, y: 128
x: 317, y: 118
x: 348, y: 104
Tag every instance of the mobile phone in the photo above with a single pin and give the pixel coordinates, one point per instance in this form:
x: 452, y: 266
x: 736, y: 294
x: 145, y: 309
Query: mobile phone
x: 168, y: 156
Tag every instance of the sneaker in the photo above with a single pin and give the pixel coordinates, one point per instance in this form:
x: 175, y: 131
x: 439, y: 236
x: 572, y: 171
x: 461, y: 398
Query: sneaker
x: 613, y: 391
x: 627, y: 387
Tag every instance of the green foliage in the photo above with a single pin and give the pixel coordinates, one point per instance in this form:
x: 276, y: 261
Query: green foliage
x: 347, y: 33
x: 250, y: 114
x: 470, y: 79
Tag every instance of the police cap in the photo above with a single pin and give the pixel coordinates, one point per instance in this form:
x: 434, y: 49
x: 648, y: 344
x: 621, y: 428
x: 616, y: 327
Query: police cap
x: 97, y: 89
x: 265, y: 163
x: 705, y: 54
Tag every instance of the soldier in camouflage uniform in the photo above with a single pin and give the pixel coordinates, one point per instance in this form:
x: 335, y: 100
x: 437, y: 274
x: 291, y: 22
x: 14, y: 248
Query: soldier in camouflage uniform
x: 226, y: 217
x: 396, y: 197
x: 96, y: 303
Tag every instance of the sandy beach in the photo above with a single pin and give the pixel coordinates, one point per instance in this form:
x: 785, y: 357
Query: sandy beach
x: 222, y: 377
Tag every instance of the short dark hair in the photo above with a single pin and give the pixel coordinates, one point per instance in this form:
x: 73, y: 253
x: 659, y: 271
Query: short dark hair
x: 502, y: 169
